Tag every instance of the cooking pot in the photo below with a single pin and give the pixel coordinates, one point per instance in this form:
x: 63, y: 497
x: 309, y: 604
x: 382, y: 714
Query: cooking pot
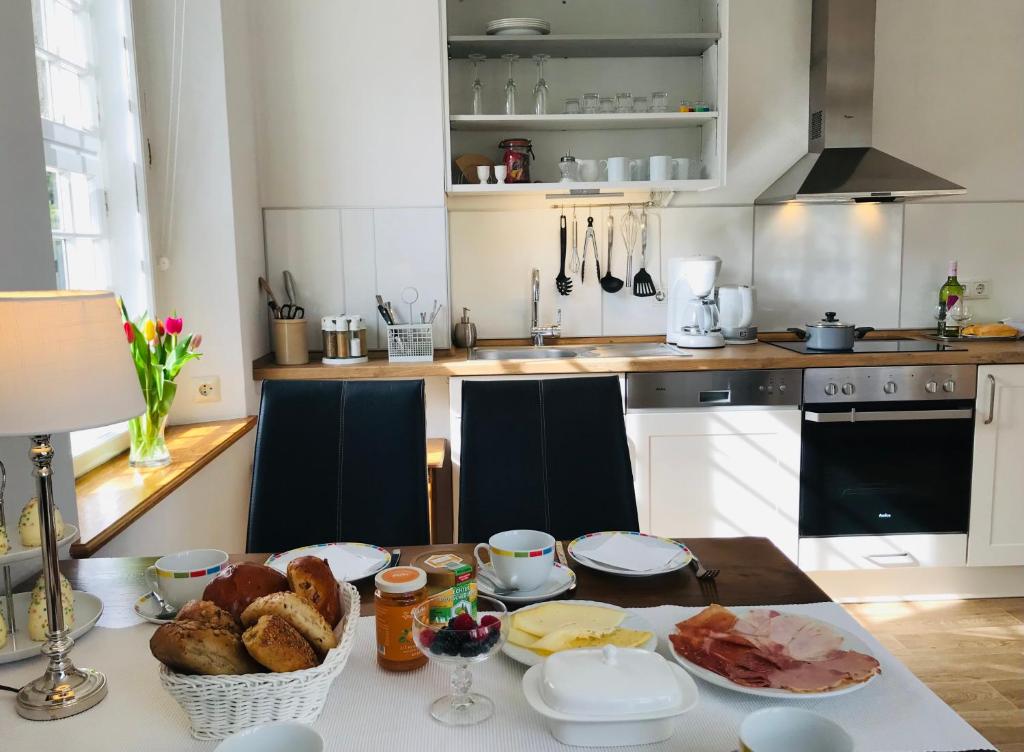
x: 831, y: 334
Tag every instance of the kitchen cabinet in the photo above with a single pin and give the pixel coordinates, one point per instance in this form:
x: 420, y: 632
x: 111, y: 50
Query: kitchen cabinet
x: 718, y: 473
x: 675, y: 46
x: 997, y: 489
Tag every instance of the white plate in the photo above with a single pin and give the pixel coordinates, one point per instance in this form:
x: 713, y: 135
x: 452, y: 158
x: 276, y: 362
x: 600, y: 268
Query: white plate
x: 87, y: 612
x: 632, y: 621
x: 561, y: 579
x: 850, y: 642
x: 147, y: 608
x: 579, y: 547
x: 19, y: 552
x: 338, y: 557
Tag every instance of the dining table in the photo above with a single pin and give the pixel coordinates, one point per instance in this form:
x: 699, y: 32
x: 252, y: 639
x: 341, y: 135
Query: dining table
x: 369, y: 707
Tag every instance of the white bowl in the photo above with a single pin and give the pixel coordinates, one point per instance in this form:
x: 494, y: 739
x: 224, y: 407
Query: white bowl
x: 787, y: 729
x: 274, y: 737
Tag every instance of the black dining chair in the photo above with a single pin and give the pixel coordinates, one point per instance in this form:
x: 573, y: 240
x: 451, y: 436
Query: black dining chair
x: 339, y: 461
x: 547, y: 454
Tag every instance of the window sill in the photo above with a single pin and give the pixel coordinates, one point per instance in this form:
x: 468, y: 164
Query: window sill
x: 112, y: 496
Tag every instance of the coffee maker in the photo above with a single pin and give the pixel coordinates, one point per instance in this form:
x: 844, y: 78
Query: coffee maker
x: 693, y: 319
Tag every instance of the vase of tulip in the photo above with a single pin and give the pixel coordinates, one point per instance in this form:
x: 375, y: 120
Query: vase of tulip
x: 159, y: 351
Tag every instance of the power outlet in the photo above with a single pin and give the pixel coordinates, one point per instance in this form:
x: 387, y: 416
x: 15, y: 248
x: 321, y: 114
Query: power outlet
x: 206, y: 389
x: 977, y: 289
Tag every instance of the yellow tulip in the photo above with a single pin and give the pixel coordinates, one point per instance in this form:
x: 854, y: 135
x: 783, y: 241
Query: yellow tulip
x: 149, y: 330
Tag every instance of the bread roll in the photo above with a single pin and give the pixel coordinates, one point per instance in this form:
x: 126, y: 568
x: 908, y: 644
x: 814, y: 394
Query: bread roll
x: 276, y: 644
x: 3, y: 630
x: 209, y: 613
x: 240, y: 584
x: 5, y: 544
x: 38, y: 623
x: 990, y: 330
x: 312, y: 578
x: 195, y: 648
x: 28, y: 524
x: 298, y: 612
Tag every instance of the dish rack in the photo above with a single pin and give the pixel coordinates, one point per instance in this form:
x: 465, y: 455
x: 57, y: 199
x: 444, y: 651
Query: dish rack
x: 410, y: 343
x: 218, y: 706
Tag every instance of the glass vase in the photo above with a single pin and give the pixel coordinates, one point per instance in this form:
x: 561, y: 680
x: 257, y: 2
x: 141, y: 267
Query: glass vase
x: 148, y: 448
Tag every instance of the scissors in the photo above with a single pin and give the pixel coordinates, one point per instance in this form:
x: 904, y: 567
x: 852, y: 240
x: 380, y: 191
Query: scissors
x: 291, y: 311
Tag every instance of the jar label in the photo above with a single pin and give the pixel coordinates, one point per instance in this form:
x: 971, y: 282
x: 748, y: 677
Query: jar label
x: 394, y: 633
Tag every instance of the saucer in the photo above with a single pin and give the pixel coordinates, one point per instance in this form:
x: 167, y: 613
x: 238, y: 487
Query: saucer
x: 560, y: 580
x: 147, y: 608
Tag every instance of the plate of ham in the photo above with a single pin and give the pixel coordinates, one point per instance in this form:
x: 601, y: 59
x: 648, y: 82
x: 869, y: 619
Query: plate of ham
x: 761, y: 651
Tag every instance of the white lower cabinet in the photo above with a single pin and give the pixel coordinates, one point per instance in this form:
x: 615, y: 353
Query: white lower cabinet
x: 997, y: 489
x: 718, y: 473
x: 882, y: 552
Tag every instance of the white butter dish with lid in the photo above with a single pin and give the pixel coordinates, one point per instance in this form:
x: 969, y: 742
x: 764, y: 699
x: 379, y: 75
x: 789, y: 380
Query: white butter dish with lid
x: 609, y: 697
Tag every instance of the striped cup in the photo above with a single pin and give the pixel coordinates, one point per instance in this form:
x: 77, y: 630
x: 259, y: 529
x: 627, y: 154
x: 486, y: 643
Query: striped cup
x: 182, y: 577
x: 520, y: 559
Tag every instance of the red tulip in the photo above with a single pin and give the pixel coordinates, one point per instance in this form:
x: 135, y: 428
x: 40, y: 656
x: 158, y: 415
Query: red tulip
x: 159, y: 328
x: 197, y: 340
x: 129, y: 332
x: 173, y: 325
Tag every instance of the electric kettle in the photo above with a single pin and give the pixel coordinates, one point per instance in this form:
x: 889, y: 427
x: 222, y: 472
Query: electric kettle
x: 736, y: 313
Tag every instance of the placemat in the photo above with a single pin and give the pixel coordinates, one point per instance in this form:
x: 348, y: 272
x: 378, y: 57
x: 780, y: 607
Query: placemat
x: 373, y: 709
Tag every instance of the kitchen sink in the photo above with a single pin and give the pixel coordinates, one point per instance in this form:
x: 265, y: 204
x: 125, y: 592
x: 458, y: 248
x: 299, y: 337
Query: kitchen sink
x: 635, y: 350
x: 521, y: 353
x: 626, y: 350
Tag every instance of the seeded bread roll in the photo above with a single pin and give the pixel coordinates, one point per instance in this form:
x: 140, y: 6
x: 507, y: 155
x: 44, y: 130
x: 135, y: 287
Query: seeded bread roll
x: 28, y: 524
x: 209, y: 613
x: 195, y: 648
x: 312, y: 578
x: 5, y: 545
x: 240, y: 584
x: 298, y: 612
x: 38, y: 620
x: 277, y: 645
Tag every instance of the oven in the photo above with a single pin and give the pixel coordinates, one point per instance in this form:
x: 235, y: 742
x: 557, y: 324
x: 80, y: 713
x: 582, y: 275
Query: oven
x: 887, y: 452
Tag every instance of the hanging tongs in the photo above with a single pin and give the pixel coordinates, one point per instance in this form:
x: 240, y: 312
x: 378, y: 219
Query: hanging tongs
x: 590, y: 241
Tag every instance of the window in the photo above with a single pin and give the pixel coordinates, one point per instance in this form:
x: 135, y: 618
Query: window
x: 91, y: 143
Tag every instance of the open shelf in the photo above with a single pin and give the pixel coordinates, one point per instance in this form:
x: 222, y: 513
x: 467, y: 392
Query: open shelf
x: 494, y: 189
x: 585, y: 45
x: 599, y: 122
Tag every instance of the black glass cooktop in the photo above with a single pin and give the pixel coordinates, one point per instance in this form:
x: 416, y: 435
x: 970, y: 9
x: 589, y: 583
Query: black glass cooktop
x: 874, y: 346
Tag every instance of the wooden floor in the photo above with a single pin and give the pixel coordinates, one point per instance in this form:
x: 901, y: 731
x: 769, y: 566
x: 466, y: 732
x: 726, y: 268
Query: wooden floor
x: 971, y: 654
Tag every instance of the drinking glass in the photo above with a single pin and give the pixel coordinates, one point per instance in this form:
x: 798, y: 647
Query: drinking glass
x: 478, y: 86
x: 623, y: 102
x: 572, y: 106
x: 591, y: 103
x: 639, y: 104
x: 540, y: 90
x: 607, y: 104
x: 659, y: 101
x: 510, y: 85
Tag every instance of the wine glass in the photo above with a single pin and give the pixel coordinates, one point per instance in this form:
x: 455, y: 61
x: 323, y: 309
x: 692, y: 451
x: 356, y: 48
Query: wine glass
x: 540, y: 91
x: 478, y: 86
x: 458, y: 644
x: 510, y: 85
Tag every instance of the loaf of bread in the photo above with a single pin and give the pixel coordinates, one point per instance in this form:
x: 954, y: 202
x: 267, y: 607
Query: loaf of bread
x: 28, y: 524
x: 276, y: 644
x: 209, y: 613
x: 298, y: 612
x: 192, y: 647
x: 312, y: 578
x: 990, y: 330
x: 240, y: 584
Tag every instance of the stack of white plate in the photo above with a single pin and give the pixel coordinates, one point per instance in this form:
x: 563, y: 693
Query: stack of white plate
x: 518, y: 26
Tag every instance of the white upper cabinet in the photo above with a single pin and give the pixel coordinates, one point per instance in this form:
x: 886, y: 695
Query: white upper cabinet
x: 997, y: 491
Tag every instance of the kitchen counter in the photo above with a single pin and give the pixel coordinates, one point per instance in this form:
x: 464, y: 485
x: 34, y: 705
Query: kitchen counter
x: 762, y: 355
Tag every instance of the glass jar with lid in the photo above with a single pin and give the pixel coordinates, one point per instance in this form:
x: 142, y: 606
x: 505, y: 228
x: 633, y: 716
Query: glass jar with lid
x: 399, y: 591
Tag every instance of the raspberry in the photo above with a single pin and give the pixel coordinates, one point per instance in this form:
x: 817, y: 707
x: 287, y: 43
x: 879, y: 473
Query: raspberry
x: 427, y: 638
x: 487, y: 620
x: 462, y: 621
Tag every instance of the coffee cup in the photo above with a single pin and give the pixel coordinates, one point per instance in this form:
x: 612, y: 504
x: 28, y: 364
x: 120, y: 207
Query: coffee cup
x: 520, y: 559
x: 682, y: 168
x: 589, y: 170
x: 661, y: 168
x: 182, y: 577
x: 621, y: 169
x: 788, y: 729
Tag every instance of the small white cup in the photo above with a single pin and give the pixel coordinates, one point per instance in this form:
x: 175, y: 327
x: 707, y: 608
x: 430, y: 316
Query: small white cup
x: 274, y: 737
x: 500, y: 173
x: 520, y: 559
x: 589, y: 170
x: 483, y: 174
x: 182, y: 577
x: 682, y: 168
x: 621, y: 169
x: 790, y: 729
x: 661, y: 168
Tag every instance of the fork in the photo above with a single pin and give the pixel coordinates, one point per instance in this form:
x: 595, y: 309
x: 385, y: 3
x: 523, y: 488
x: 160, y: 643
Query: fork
x: 562, y: 282
x: 699, y: 570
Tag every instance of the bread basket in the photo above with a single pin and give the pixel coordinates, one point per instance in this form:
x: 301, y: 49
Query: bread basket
x: 218, y: 706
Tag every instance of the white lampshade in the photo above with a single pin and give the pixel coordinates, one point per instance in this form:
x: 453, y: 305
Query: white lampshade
x: 64, y: 363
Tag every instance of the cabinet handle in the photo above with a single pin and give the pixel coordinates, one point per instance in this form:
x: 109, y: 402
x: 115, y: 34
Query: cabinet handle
x: 991, y: 399
x: 902, y: 558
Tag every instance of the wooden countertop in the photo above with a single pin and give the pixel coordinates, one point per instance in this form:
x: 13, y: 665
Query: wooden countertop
x: 761, y: 355
x: 112, y: 496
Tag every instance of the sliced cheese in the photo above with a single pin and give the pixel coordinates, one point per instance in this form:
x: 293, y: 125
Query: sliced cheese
x: 572, y: 638
x: 544, y: 620
x: 521, y: 638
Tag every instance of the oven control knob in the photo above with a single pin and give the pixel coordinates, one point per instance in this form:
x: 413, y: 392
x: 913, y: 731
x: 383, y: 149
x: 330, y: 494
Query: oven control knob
x: 889, y: 387
x: 831, y: 390
x: 848, y: 389
x: 931, y: 387
x: 782, y: 388
x: 949, y: 386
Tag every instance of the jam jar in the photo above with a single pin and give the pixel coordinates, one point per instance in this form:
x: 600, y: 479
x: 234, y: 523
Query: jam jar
x: 518, y: 153
x: 399, y: 591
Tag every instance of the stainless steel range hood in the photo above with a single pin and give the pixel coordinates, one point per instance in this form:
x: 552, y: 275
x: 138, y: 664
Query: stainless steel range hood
x: 842, y: 165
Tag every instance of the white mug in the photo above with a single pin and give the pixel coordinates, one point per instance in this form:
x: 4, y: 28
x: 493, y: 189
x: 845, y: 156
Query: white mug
x: 483, y: 174
x: 500, y: 173
x: 589, y: 170
x: 661, y: 168
x: 620, y: 169
x: 682, y: 166
x: 520, y: 559
x: 735, y: 306
x: 182, y: 577
x: 789, y: 729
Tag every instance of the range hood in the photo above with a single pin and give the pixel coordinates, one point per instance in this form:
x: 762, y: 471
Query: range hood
x: 841, y: 164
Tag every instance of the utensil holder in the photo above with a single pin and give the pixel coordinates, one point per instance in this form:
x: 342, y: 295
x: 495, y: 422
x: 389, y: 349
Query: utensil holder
x: 411, y: 343
x: 288, y: 338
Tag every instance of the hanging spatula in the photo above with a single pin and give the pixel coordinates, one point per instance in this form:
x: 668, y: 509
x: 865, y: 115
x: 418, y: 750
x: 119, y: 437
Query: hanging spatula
x: 643, y: 285
x: 562, y: 282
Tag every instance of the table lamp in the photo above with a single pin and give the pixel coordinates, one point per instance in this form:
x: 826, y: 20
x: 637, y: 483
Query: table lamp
x: 64, y: 366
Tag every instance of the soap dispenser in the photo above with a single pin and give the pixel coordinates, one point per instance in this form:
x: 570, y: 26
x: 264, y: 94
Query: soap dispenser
x: 465, y: 331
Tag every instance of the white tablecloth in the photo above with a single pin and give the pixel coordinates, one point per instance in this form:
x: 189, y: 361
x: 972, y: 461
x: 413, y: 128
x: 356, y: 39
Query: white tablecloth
x: 370, y: 709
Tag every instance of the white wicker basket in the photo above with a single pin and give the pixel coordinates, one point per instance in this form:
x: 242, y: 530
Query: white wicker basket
x: 218, y: 706
x: 411, y: 343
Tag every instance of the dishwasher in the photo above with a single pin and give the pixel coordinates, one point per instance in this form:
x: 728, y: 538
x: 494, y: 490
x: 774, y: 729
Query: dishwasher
x: 717, y: 453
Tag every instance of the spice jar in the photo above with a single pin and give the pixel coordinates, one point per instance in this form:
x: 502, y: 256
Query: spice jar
x: 518, y: 152
x: 399, y: 590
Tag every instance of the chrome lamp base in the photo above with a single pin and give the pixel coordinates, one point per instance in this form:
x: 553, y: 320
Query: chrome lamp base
x: 53, y: 696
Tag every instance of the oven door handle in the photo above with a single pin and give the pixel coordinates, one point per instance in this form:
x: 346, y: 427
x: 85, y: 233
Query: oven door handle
x: 876, y: 416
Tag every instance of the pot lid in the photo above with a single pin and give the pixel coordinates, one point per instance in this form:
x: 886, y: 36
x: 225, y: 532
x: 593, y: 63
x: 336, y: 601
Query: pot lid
x: 829, y: 322
x: 609, y: 682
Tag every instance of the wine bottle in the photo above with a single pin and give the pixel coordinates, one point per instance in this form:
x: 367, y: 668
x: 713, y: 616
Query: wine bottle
x: 951, y: 297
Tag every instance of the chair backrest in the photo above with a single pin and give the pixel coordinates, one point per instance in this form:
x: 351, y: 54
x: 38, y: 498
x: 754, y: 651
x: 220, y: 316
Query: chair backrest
x: 339, y: 461
x: 546, y: 455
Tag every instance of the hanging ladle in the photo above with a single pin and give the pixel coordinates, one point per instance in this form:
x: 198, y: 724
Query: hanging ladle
x: 610, y: 283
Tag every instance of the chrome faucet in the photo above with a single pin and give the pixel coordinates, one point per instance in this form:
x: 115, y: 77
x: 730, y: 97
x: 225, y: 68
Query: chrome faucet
x: 537, y: 332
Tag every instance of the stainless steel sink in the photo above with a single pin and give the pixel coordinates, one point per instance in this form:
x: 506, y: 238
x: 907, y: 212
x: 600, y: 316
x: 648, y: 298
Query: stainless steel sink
x: 635, y: 350
x: 521, y: 353
x: 626, y: 350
